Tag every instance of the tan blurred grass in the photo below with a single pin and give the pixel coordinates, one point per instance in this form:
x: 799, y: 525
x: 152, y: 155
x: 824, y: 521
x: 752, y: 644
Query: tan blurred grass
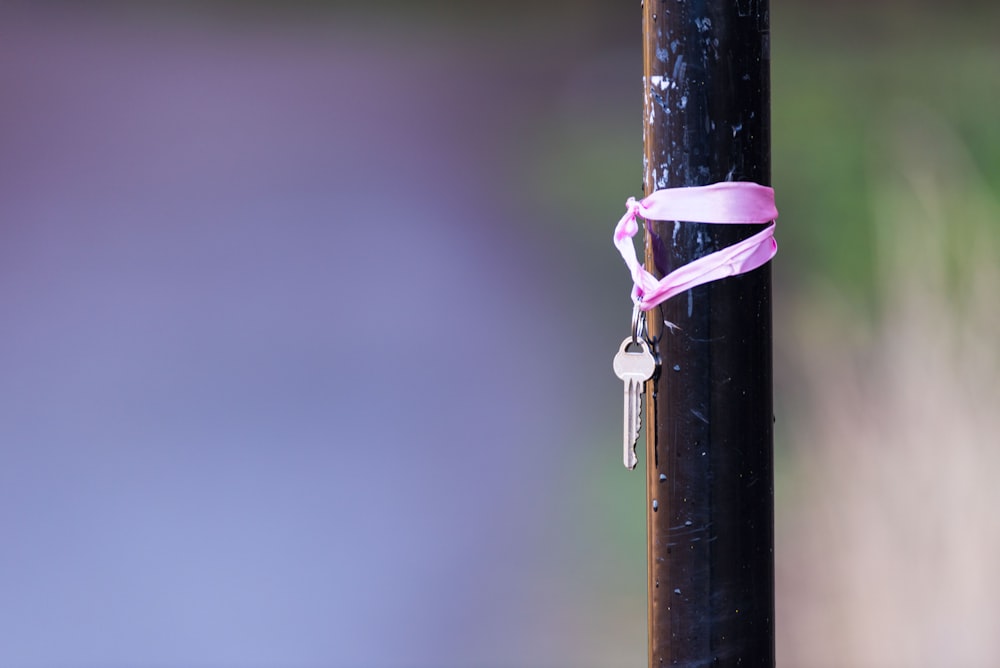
x: 889, y: 522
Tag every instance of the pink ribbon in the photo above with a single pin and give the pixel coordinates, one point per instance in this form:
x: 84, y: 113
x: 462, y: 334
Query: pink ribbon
x: 730, y: 202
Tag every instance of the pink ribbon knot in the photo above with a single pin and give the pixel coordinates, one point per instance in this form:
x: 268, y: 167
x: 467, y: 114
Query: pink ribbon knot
x: 727, y: 203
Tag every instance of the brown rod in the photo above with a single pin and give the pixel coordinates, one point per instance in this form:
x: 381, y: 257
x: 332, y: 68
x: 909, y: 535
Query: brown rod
x: 709, y: 441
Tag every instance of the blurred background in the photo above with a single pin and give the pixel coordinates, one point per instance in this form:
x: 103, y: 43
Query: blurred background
x: 307, y: 312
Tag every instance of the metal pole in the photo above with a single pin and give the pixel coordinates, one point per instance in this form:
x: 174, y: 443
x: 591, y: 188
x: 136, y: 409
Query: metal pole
x: 710, y: 509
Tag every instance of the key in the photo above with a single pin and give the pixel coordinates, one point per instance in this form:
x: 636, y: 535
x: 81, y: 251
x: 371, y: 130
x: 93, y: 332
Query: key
x: 634, y: 368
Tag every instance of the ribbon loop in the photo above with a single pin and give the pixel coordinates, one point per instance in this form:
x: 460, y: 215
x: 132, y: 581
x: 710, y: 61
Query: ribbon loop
x: 730, y: 202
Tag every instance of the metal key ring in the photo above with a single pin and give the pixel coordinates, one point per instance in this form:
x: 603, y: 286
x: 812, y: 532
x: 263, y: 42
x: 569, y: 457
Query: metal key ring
x: 638, y: 323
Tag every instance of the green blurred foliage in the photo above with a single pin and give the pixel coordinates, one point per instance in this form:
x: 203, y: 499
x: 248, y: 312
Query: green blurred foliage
x: 841, y: 77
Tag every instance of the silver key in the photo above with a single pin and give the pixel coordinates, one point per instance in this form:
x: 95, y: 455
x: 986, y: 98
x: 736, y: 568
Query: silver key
x: 634, y: 368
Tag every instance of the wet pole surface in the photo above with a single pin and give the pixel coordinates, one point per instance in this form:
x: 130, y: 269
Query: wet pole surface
x: 710, y: 506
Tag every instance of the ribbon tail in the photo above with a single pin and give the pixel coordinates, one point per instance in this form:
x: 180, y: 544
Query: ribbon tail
x: 739, y: 258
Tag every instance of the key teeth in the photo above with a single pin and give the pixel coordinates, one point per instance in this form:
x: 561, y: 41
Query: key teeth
x: 637, y: 425
x: 636, y: 428
x: 635, y: 436
x: 632, y: 460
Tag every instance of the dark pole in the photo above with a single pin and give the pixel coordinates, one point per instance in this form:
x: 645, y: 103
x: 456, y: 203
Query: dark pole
x: 709, y: 441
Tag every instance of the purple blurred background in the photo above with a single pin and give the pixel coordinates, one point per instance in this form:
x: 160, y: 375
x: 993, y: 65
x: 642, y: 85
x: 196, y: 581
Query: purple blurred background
x: 294, y: 372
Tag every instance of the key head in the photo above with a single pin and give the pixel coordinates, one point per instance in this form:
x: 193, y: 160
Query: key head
x: 637, y: 364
